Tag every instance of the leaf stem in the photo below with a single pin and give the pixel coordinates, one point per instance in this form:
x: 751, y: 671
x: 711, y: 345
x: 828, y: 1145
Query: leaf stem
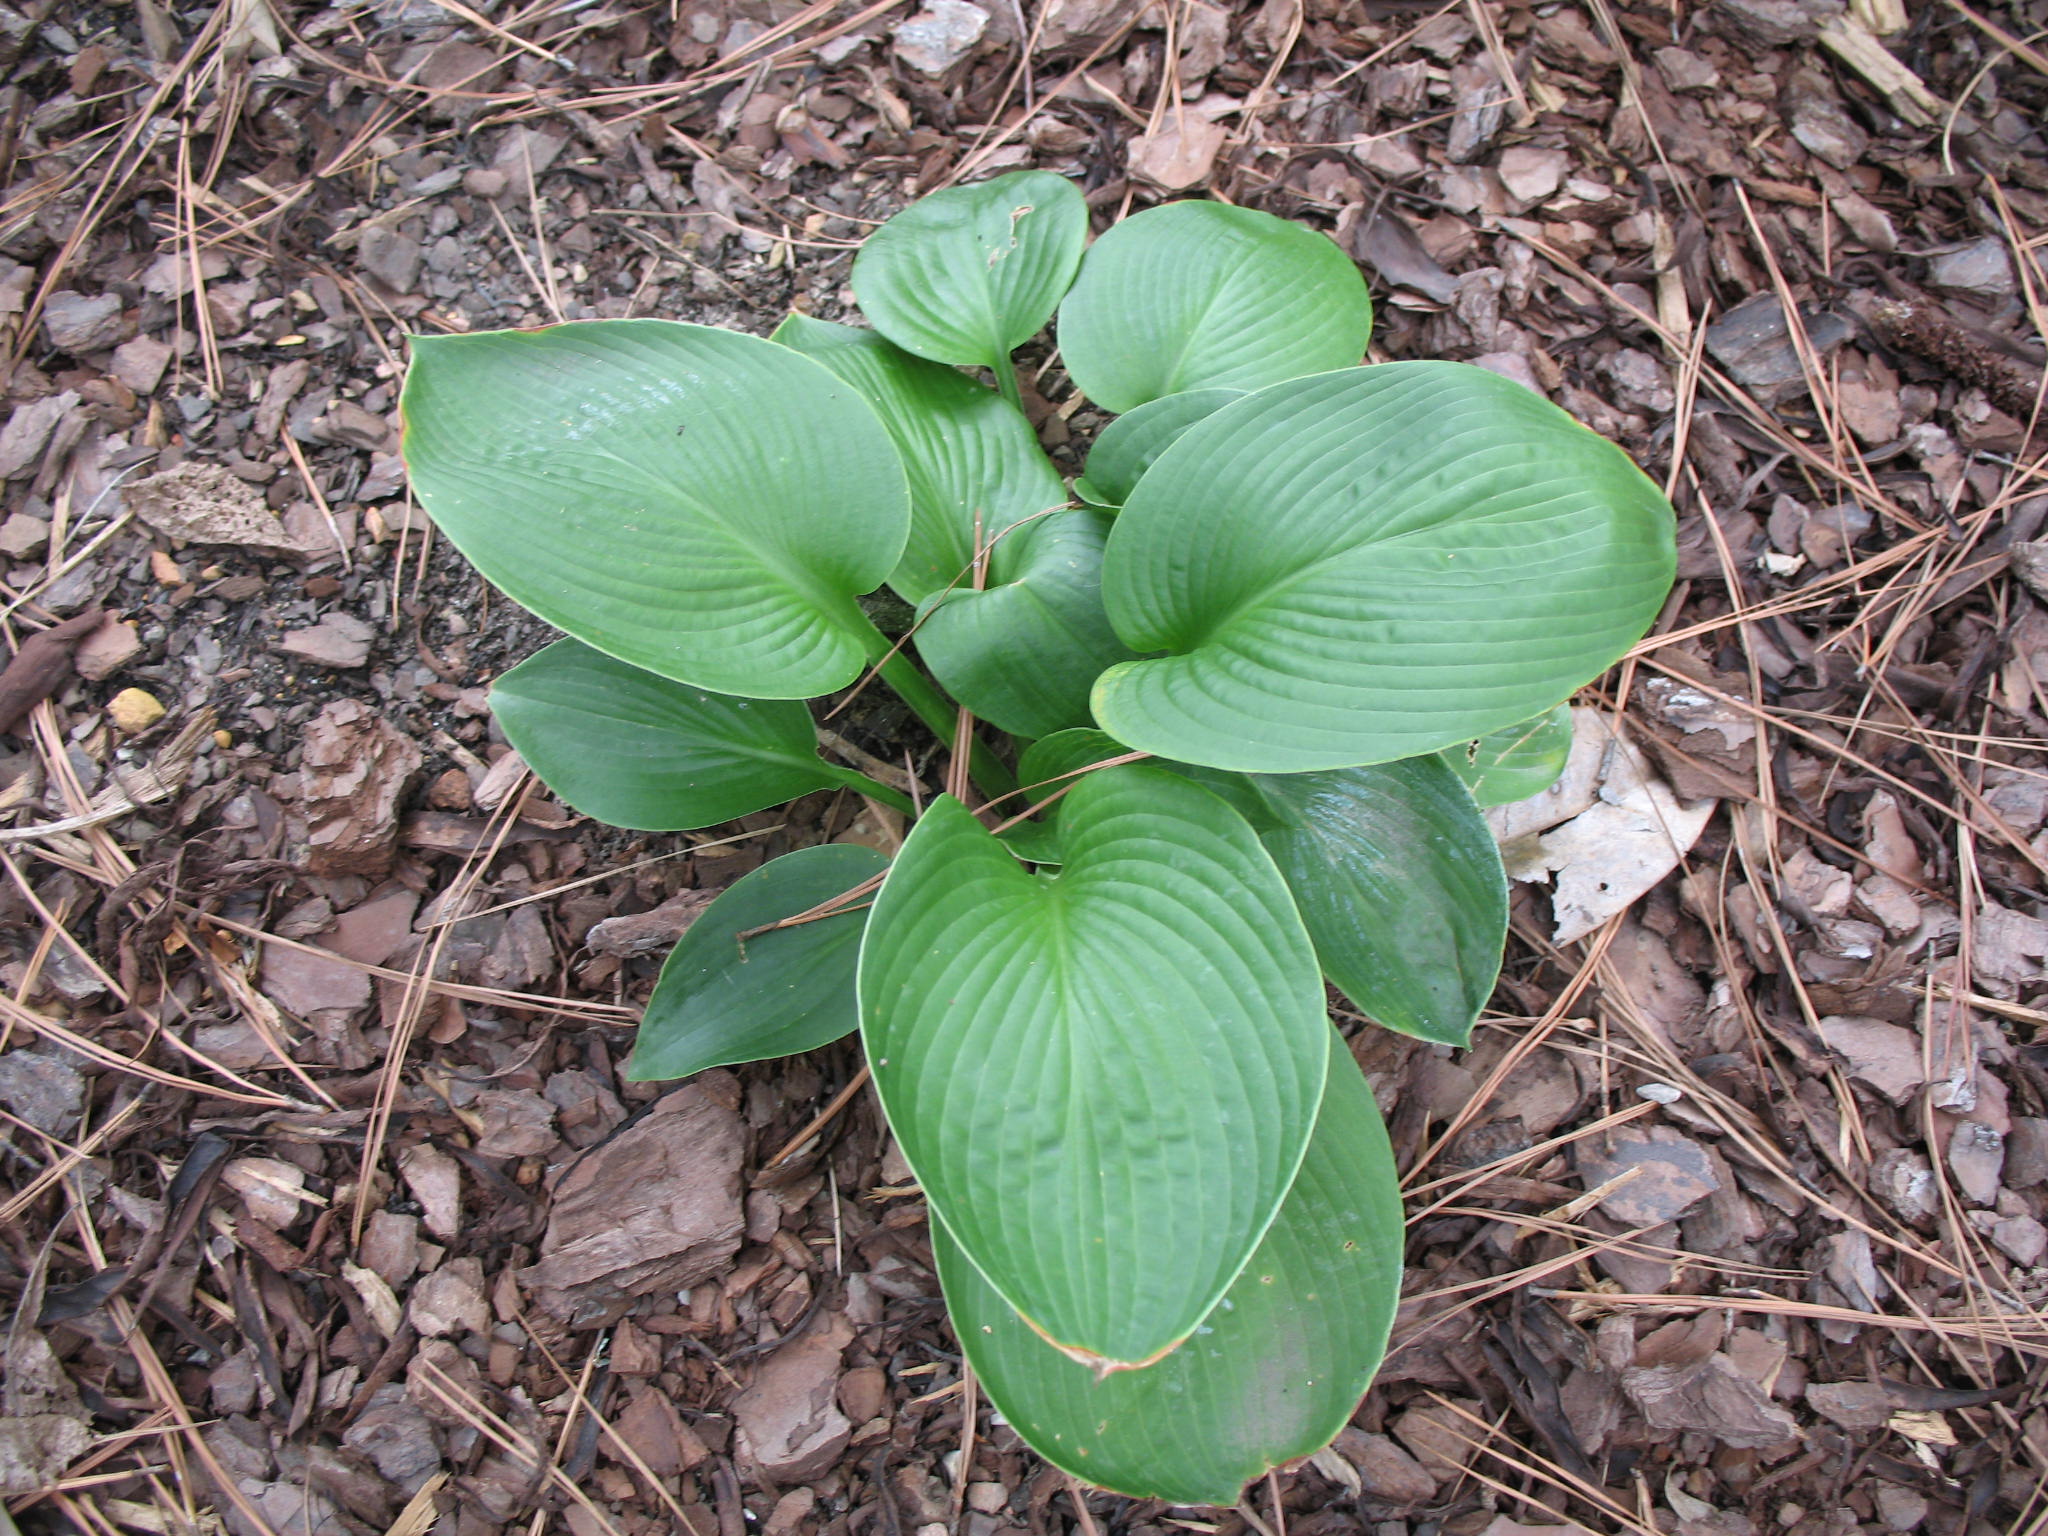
x: 1006, y: 381
x: 940, y: 716
x: 861, y: 784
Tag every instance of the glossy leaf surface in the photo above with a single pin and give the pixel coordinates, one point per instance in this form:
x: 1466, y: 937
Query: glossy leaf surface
x: 966, y: 274
x: 1515, y: 763
x: 1394, y: 871
x: 967, y: 451
x: 1024, y: 653
x: 1398, y: 880
x: 1195, y: 295
x: 1270, y: 1375
x: 1370, y: 565
x: 1128, y: 445
x: 724, y: 998
x: 697, y: 502
x: 637, y: 750
x: 1103, y: 1078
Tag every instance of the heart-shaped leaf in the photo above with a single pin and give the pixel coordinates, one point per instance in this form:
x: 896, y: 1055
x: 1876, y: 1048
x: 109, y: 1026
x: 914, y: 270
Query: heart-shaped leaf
x: 1103, y: 1078
x: 728, y: 994
x: 1395, y: 873
x: 1024, y: 653
x: 1270, y: 1375
x: 966, y: 274
x: 970, y: 455
x: 1373, y: 564
x: 1195, y: 295
x: 700, y: 503
x: 1517, y: 762
x: 637, y: 750
x: 1128, y: 445
x: 1399, y: 883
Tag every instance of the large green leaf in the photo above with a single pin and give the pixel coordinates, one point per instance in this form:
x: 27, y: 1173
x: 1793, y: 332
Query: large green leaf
x: 1104, y: 1078
x: 1399, y: 882
x: 637, y: 750
x: 1271, y: 1375
x: 965, y: 275
x: 1128, y: 445
x: 1373, y: 564
x: 1393, y: 869
x: 1194, y: 295
x: 1024, y: 653
x: 724, y: 997
x: 700, y: 503
x: 970, y: 455
x: 1514, y: 763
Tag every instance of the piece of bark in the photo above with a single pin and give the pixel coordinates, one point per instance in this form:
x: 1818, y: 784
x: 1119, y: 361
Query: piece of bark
x: 790, y: 1428
x: 42, y: 666
x: 354, y: 772
x: 656, y: 1208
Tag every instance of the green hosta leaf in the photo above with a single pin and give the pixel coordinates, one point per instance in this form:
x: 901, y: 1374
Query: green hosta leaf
x: 637, y: 750
x: 1128, y: 445
x: 1024, y: 653
x: 1399, y: 882
x: 723, y: 998
x: 1515, y: 763
x: 700, y: 503
x: 965, y: 275
x: 1193, y: 295
x: 1372, y: 564
x: 1393, y: 869
x: 1270, y: 1376
x: 966, y: 450
x: 1104, y: 1078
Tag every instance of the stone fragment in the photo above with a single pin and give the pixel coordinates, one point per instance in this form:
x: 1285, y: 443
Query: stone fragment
x: 43, y: 1088
x: 2026, y: 1152
x: 106, y: 650
x: 1851, y: 1404
x: 790, y: 1428
x: 338, y: 640
x: 354, y: 769
x: 1181, y: 155
x: 303, y: 983
x: 2021, y: 1238
x: 23, y: 537
x: 1531, y: 174
x: 657, y: 1434
x: 940, y: 35
x: 28, y: 432
x: 1386, y: 1473
x: 139, y: 362
x: 133, y: 711
x: 391, y: 1246
x: 656, y: 1208
x: 391, y: 258
x: 450, y: 1300
x: 1675, y: 1173
x: 1882, y: 1055
x: 1904, y: 1180
x: 516, y: 1123
x: 434, y: 1179
x: 1983, y: 267
x: 78, y: 324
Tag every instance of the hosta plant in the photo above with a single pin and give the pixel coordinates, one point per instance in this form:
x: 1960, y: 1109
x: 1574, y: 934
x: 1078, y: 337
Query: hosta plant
x: 1230, y: 702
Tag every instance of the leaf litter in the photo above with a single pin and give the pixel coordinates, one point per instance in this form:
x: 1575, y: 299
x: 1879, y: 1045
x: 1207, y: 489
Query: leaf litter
x: 1730, y: 1220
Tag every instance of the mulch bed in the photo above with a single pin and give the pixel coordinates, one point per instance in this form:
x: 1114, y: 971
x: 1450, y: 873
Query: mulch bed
x: 323, y: 1205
